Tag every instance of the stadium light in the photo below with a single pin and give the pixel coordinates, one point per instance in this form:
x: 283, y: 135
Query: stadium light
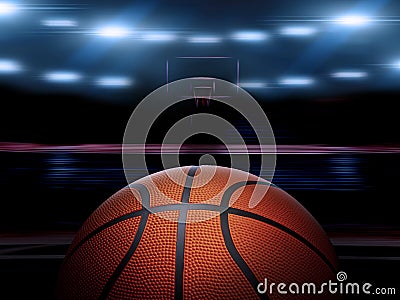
x: 349, y: 75
x: 59, y: 23
x: 9, y: 67
x: 159, y: 37
x: 297, y: 31
x: 296, y: 81
x: 353, y: 20
x: 250, y: 36
x: 113, y: 32
x: 204, y: 39
x: 7, y: 8
x: 396, y: 65
x: 62, y: 77
x: 113, y: 81
x: 253, y: 85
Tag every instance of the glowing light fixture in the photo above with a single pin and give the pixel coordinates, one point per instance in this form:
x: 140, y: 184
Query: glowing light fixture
x: 353, y: 20
x: 349, y: 75
x: 159, y: 37
x: 62, y: 77
x: 297, y: 81
x: 113, y: 81
x: 298, y: 31
x: 250, y: 36
x: 253, y: 85
x: 9, y: 66
x: 7, y: 8
x: 59, y: 23
x: 113, y: 32
x: 204, y: 39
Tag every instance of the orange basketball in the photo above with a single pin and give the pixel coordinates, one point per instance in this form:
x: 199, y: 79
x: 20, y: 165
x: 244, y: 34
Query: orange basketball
x: 196, y: 233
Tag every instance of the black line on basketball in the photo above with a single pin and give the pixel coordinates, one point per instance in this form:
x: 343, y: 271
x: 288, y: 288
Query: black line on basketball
x: 181, y: 234
x: 225, y: 203
x: 187, y: 206
x: 239, y: 212
x: 226, y: 197
x: 188, y: 184
x: 101, y: 228
x: 117, y: 272
x: 230, y: 246
x: 145, y: 195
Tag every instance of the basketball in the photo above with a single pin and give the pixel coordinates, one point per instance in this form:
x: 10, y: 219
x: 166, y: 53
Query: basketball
x: 196, y: 233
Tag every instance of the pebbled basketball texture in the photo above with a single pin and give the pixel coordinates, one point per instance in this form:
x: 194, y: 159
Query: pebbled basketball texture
x: 196, y: 233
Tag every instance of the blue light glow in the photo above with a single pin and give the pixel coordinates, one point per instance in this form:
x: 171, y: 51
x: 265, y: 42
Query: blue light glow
x: 298, y: 31
x: 113, y: 32
x: 253, y: 85
x: 113, y: 81
x: 62, y: 77
x: 9, y: 66
x: 349, y: 75
x: 7, y: 8
x: 159, y: 37
x: 297, y: 81
x: 59, y: 23
x: 353, y: 20
x: 250, y: 36
x: 204, y: 39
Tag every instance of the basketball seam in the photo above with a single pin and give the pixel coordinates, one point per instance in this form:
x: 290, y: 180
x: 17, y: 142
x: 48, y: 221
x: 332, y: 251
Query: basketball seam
x: 235, y: 211
x: 121, y: 266
x: 144, y: 195
x: 181, y: 234
x: 209, y: 207
x: 109, y: 224
x: 234, y: 253
x: 298, y: 237
x: 225, y: 204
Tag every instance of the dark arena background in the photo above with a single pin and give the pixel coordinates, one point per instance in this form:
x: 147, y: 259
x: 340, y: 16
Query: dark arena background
x: 326, y: 73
